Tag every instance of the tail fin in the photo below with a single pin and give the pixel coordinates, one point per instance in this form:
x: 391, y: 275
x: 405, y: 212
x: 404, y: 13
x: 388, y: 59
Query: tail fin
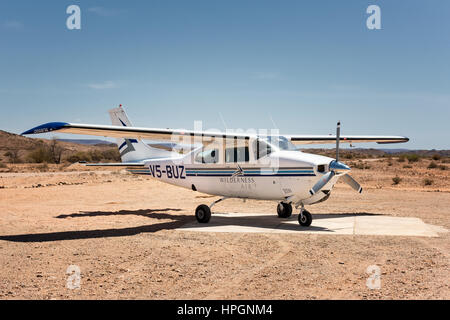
x: 133, y: 150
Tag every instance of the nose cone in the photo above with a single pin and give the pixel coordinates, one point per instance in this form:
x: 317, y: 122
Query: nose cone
x: 339, y: 166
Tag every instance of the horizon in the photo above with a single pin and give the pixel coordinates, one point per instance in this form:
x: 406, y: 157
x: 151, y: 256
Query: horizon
x: 299, y: 66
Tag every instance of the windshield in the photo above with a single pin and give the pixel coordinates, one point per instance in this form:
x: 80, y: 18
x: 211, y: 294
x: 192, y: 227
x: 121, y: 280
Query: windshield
x: 280, y: 142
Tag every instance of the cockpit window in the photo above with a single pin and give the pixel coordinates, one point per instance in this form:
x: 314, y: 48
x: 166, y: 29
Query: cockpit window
x: 261, y: 148
x: 280, y: 142
x: 266, y: 145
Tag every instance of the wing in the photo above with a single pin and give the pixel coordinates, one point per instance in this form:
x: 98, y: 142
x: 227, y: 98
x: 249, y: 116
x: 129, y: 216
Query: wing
x: 129, y: 132
x: 318, y: 139
x: 203, y: 136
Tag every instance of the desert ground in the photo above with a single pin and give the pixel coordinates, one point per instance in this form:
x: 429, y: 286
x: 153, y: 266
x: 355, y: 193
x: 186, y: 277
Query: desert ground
x: 124, y: 233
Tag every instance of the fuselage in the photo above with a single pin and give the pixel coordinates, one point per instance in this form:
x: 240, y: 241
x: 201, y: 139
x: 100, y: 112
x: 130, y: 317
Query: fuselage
x: 282, y: 175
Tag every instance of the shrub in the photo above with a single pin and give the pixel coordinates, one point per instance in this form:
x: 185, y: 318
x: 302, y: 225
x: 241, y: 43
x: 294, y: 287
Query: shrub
x: 79, y: 156
x: 111, y: 154
x: 407, y: 166
x: 427, y: 182
x: 13, y: 156
x: 396, y: 180
x: 436, y: 157
x: 40, y: 155
x: 442, y: 167
x: 3, y: 166
x: 95, y: 156
x: 412, y: 157
x: 432, y: 165
x: 402, y: 158
x: 348, y: 156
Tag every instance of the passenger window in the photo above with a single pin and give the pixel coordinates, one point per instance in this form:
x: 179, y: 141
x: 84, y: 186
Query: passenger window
x: 207, y: 156
x: 240, y: 154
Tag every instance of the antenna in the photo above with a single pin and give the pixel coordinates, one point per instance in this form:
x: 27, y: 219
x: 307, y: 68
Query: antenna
x: 223, y: 121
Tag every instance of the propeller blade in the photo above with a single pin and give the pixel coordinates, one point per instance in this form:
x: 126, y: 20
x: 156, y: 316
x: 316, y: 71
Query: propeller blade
x: 352, y: 183
x: 323, y: 181
x: 338, y: 138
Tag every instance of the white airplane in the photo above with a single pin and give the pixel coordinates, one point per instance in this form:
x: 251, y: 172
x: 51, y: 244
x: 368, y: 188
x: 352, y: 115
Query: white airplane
x: 230, y: 165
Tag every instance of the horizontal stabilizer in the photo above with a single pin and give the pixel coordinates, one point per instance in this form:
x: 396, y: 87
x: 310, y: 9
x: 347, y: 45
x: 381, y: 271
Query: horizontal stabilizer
x: 131, y: 164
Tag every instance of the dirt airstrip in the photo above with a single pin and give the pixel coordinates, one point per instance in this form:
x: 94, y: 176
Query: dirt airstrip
x: 123, y: 233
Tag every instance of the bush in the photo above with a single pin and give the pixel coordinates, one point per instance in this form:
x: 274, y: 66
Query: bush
x: 40, y: 155
x: 3, y: 166
x: 13, y: 156
x: 407, y: 166
x: 79, y: 156
x: 427, y: 182
x: 402, y: 158
x: 436, y: 157
x: 111, y: 154
x: 412, y: 157
x: 348, y: 156
x: 95, y: 156
x: 432, y: 165
x: 397, y: 180
x: 442, y: 167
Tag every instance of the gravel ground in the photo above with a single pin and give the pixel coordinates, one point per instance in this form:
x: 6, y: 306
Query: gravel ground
x: 121, y: 232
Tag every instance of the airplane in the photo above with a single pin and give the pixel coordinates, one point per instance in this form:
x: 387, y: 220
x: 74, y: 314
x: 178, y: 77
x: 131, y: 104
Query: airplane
x: 229, y: 165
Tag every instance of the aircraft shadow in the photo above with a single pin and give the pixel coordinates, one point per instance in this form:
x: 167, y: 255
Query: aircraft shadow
x: 178, y: 221
x: 253, y: 220
x: 149, y: 213
x: 273, y: 222
x: 343, y: 215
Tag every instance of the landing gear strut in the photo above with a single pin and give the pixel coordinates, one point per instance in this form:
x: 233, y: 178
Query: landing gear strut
x: 304, y: 218
x: 284, y: 210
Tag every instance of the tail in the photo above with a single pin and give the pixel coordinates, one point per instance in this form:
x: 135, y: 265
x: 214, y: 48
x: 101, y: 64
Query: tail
x: 134, y: 150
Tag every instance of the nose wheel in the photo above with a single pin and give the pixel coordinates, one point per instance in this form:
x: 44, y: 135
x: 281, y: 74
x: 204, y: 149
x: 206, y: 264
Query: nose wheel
x: 305, y: 218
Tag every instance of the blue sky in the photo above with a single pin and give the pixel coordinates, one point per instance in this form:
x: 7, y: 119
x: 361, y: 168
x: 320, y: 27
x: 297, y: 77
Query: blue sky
x: 304, y: 64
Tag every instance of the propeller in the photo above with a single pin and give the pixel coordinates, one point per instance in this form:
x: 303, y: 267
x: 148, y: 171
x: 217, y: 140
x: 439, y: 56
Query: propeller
x: 352, y: 182
x: 335, y: 166
x: 323, y: 181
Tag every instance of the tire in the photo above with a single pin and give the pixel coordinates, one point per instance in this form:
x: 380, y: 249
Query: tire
x: 305, y: 220
x: 284, y: 210
x: 203, y: 213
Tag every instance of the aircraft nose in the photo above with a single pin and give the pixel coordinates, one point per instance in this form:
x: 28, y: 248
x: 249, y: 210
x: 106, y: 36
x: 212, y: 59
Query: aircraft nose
x: 338, y: 166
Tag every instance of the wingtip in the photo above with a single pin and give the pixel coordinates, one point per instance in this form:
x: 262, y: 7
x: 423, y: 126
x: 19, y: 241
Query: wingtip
x: 47, y: 127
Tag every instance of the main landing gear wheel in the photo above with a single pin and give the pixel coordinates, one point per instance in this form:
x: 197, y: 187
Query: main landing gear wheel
x: 305, y: 218
x: 203, y: 213
x: 284, y: 210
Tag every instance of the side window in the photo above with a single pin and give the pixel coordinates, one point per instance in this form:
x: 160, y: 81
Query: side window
x: 240, y: 154
x: 261, y: 149
x: 207, y: 156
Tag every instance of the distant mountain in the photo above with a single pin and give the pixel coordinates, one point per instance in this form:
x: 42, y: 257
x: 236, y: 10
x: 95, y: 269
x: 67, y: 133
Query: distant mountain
x: 22, y: 146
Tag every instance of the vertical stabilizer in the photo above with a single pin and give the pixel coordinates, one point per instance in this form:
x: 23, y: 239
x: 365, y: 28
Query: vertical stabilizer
x: 132, y: 150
